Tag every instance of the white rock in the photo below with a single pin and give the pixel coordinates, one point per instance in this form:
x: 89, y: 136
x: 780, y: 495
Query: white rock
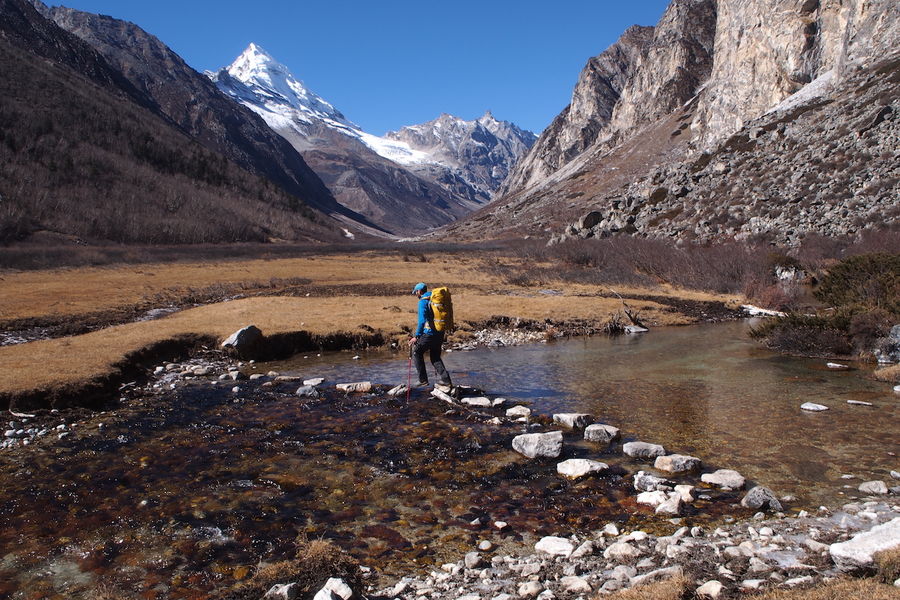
x: 837, y: 366
x: 530, y: 589
x: 500, y: 524
x: 621, y: 551
x: 710, y: 589
x: 236, y: 390
x: 644, y: 482
x: 724, y: 478
x: 598, y: 432
x: 672, y: 506
x: 314, y: 381
x: 812, y: 406
x: 654, y: 499
x: 873, y: 487
x: 859, y: 403
x: 806, y: 579
x: 686, y: 492
x: 497, y: 402
x: 752, y: 584
x: 397, y: 390
x: 760, y: 497
x: 287, y: 591
x: 479, y: 401
x: 442, y: 395
x: 533, y: 445
x: 576, y: 585
x: 611, y: 530
x: 485, y: 546
x: 585, y: 549
x: 576, y: 468
x: 573, y: 420
x: 857, y: 552
x: 657, y: 575
x: 555, y: 546
x: 518, y: 411
x: 307, y: 391
x: 895, y: 474
x: 643, y: 450
x: 677, y: 463
x: 354, y: 387
x: 339, y: 587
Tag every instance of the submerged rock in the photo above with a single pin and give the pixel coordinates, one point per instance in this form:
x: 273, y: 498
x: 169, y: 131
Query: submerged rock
x: 573, y: 420
x: 534, y: 445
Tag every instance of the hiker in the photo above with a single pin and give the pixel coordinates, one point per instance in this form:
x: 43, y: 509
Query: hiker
x: 427, y: 338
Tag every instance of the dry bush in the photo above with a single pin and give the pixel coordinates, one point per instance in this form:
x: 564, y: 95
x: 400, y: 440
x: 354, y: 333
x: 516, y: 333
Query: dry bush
x: 844, y: 589
x: 315, y: 561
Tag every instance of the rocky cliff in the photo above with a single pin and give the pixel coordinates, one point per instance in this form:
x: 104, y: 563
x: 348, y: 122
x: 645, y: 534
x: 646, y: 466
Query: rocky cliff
x: 709, y: 77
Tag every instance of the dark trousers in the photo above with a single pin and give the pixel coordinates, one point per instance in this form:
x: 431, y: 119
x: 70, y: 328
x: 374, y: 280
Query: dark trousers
x: 430, y: 343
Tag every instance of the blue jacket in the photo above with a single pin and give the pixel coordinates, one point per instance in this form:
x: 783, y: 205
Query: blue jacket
x: 425, y: 326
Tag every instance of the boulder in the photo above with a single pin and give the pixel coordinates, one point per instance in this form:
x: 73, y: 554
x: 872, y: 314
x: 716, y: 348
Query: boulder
x: 856, y: 553
x: 530, y: 589
x: 643, y: 450
x: 874, y: 488
x: 573, y: 420
x: 576, y: 468
x: 555, y: 546
x: 598, y: 432
x: 724, y: 478
x: 245, y: 342
x: 355, y: 387
x: 677, y: 463
x: 644, y: 482
x: 534, y: 445
x: 761, y: 497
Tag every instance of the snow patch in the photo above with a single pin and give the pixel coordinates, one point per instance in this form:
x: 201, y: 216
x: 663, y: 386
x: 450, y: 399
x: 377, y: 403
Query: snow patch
x: 816, y: 88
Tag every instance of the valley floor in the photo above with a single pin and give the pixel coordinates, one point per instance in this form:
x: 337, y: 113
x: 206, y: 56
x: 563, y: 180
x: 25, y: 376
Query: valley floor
x: 97, y: 322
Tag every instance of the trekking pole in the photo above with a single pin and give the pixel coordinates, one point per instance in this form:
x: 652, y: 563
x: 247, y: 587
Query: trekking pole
x: 409, y: 374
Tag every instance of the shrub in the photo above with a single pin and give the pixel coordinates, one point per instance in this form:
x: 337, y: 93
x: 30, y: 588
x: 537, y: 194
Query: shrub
x: 866, y: 280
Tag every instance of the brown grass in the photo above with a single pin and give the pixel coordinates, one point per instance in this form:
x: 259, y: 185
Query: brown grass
x: 477, y: 296
x: 888, y: 563
x: 890, y: 374
x: 845, y: 589
x: 676, y: 588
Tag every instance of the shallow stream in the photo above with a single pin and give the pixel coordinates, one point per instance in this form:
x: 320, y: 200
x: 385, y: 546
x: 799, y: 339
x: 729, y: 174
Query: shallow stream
x: 184, y: 493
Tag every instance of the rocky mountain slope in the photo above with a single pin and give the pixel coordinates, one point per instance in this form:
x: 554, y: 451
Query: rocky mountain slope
x: 190, y: 101
x: 88, y: 157
x: 417, y: 178
x: 729, y: 119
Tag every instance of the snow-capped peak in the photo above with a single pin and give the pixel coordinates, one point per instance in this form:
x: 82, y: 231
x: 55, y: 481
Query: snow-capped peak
x: 269, y: 79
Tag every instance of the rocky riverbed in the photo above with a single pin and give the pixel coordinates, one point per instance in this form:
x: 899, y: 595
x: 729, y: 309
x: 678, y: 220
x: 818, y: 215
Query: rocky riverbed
x: 675, y: 513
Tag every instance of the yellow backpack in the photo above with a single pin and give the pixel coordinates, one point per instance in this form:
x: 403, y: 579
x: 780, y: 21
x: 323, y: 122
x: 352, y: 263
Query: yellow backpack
x: 442, y: 309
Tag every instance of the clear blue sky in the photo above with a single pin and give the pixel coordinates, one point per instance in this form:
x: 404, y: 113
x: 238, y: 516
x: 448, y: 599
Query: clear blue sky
x: 390, y: 63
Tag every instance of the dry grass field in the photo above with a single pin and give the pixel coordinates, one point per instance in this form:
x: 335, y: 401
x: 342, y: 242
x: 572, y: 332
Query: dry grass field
x: 344, y: 294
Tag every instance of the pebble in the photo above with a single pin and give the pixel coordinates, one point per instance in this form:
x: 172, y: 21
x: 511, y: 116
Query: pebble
x: 813, y: 407
x: 485, y: 546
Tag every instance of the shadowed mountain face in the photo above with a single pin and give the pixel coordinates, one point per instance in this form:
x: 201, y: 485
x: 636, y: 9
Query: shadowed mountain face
x: 195, y: 105
x: 727, y: 120
x: 89, y: 155
x: 408, y: 181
